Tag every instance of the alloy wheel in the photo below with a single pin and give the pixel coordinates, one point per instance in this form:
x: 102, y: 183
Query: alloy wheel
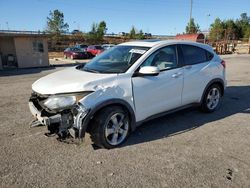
x: 116, y: 129
x: 213, y: 98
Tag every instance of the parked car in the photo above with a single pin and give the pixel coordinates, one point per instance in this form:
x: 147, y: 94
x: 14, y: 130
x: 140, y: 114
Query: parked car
x: 107, y: 46
x: 75, y: 53
x: 147, y: 35
x: 130, y: 84
x: 94, y: 50
x: 75, y: 31
x: 82, y: 47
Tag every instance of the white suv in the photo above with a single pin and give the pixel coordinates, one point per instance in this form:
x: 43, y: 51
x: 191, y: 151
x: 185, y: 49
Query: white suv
x: 125, y: 86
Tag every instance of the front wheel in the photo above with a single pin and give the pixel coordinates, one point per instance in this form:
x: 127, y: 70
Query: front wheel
x: 212, y: 99
x: 110, y: 127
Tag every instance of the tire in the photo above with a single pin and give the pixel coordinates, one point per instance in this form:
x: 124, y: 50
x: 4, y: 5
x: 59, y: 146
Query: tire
x: 212, y: 99
x: 110, y: 127
x: 65, y: 57
x: 90, y: 55
x: 72, y: 57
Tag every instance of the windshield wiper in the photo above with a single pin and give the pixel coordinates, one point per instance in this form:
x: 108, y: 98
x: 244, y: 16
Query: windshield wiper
x: 90, y: 70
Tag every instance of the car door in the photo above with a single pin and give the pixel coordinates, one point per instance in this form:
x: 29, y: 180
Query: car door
x: 196, y: 73
x: 156, y: 94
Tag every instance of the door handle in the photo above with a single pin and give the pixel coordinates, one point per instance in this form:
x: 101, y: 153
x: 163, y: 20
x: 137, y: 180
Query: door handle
x: 188, y: 66
x: 176, y: 75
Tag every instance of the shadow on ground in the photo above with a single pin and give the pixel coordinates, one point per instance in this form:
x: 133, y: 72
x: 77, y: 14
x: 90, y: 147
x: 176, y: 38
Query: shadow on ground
x: 236, y: 100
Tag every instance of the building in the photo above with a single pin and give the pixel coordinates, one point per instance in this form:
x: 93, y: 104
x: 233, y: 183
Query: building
x: 23, y: 49
x: 199, y: 37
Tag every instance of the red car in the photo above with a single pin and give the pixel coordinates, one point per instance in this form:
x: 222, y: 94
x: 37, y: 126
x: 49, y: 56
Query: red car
x: 94, y: 50
x: 75, y: 53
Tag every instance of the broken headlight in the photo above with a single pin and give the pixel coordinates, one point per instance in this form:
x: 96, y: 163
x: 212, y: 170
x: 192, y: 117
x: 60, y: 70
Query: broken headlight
x: 59, y: 102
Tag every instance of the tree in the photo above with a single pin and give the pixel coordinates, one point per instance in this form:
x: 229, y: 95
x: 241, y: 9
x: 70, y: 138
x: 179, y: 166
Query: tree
x: 192, y: 27
x: 101, y: 30
x: 140, y: 35
x: 55, y: 23
x: 244, y: 25
x: 97, y: 32
x: 216, y: 30
x: 132, y: 33
x: 232, y: 31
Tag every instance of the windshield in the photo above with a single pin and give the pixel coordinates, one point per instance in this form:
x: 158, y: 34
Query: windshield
x: 115, y: 60
x: 98, y: 47
x: 83, y: 46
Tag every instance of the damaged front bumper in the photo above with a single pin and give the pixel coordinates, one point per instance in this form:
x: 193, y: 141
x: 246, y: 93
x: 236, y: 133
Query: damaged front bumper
x: 63, y: 123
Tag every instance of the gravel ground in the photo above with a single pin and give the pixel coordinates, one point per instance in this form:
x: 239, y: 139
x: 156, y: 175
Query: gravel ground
x: 185, y: 149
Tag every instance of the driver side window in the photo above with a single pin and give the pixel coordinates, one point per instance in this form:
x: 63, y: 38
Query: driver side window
x: 164, y: 58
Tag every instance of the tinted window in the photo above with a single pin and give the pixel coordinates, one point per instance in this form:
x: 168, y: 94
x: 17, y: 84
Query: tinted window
x: 193, y: 55
x: 164, y: 58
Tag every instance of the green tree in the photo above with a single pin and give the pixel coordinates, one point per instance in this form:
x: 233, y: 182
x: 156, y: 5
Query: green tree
x: 232, y: 31
x: 192, y: 27
x: 217, y: 30
x: 140, y: 35
x: 97, y: 32
x: 55, y: 23
x: 244, y: 25
x: 101, y: 30
x: 247, y: 33
x: 132, y: 33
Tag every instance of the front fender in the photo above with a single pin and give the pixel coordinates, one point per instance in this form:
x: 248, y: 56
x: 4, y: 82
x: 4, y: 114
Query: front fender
x: 102, y: 105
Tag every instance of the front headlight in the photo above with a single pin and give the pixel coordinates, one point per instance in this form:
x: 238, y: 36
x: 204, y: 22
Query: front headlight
x: 63, y: 101
x: 55, y: 103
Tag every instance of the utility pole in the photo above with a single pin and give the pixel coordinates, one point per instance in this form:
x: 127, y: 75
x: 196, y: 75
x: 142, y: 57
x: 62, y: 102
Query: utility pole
x: 190, y: 17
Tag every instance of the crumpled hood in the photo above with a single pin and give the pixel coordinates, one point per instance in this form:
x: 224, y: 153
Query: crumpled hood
x: 70, y: 80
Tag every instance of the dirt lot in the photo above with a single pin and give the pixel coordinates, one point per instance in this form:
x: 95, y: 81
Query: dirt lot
x: 185, y: 149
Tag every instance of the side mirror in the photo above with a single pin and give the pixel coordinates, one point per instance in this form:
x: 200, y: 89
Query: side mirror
x: 149, y: 71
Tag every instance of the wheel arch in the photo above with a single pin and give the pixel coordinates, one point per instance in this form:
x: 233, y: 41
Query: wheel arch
x: 217, y: 81
x: 111, y: 102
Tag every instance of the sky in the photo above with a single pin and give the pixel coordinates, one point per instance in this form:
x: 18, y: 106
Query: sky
x: 159, y: 17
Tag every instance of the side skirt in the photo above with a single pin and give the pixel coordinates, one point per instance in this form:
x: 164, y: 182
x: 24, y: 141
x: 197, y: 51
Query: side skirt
x: 166, y: 113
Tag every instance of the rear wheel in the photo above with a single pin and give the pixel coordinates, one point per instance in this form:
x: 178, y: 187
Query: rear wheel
x: 110, y: 127
x: 212, y: 99
x: 65, y: 57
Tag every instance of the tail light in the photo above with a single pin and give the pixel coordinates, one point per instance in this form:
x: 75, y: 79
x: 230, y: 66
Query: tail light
x: 223, y: 63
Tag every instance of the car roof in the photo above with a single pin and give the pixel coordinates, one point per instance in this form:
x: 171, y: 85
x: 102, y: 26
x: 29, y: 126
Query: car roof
x: 156, y: 42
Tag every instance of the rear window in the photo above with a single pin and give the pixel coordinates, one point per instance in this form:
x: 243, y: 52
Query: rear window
x: 194, y: 55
